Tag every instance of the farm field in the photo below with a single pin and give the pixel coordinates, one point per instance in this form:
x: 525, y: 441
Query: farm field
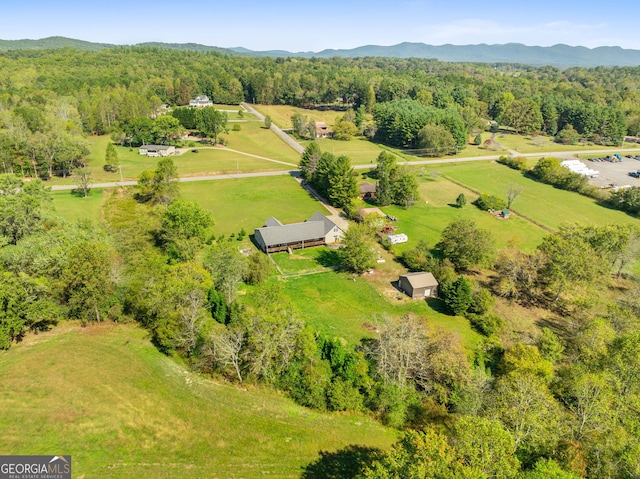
x: 106, y: 396
x: 543, y: 203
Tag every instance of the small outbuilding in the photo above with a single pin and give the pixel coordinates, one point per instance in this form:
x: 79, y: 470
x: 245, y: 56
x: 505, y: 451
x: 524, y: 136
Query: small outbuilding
x: 418, y: 285
x: 367, y: 191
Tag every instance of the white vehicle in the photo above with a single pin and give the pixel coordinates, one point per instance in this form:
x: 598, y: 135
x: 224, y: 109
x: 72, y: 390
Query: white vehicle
x: 399, y: 238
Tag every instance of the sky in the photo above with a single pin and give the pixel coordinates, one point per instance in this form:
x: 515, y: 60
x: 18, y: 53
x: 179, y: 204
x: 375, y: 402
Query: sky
x: 305, y: 25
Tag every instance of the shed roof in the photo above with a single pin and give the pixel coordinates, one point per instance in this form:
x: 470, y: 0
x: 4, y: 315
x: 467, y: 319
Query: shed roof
x: 367, y: 187
x: 421, y: 279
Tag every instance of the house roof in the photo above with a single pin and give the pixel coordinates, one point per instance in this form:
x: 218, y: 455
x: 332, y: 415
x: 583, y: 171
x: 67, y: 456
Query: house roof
x: 156, y: 147
x: 276, y: 233
x: 420, y: 279
x: 272, y: 221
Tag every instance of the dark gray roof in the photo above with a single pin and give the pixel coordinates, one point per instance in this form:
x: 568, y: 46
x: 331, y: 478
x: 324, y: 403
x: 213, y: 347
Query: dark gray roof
x: 421, y: 279
x: 276, y: 233
x: 272, y: 222
x: 156, y: 147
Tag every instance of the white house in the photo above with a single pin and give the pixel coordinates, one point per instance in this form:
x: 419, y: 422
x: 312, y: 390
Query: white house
x: 157, y: 150
x: 200, y: 101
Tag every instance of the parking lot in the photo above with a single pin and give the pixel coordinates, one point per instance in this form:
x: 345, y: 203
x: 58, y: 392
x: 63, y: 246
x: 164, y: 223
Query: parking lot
x: 614, y: 173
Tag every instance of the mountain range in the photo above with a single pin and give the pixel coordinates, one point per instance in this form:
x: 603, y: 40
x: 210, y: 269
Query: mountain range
x: 561, y: 56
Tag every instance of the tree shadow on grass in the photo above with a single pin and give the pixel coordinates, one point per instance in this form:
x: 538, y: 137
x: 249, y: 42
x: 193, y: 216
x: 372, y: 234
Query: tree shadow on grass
x: 329, y: 258
x: 438, y: 305
x: 346, y: 463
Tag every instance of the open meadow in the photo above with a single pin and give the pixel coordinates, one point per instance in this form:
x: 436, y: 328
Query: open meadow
x: 352, y: 307
x: 248, y: 202
x: 436, y: 209
x: 543, y: 203
x: 281, y: 114
x: 106, y: 396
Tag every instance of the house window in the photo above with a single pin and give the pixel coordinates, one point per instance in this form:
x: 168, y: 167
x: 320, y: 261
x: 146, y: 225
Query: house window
x: 427, y: 292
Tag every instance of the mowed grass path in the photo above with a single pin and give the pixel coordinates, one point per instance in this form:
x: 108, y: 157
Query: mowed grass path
x: 106, y: 396
x: 543, y: 203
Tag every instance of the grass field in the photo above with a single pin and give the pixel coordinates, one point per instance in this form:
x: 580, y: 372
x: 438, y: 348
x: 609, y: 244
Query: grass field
x: 248, y: 202
x: 281, y: 114
x: 543, y: 203
x: 341, y: 305
x: 73, y: 208
x: 106, y: 396
x: 252, y: 139
x: 545, y: 144
x: 435, y: 210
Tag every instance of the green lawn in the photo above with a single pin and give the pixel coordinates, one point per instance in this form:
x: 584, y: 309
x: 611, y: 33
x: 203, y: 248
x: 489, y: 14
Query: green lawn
x: 341, y: 305
x: 252, y: 139
x: 121, y: 409
x: 545, y: 144
x: 305, y: 261
x: 248, y: 202
x: 73, y: 208
x: 256, y: 140
x: 543, y: 203
x: 281, y: 114
x: 434, y: 211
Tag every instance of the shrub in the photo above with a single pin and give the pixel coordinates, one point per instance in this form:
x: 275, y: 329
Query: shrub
x: 490, y: 202
x: 483, y: 301
x: 486, y: 324
x: 517, y: 163
x: 457, y: 295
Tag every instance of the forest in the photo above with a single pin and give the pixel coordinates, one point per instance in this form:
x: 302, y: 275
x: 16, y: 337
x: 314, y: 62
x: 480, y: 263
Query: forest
x: 562, y: 404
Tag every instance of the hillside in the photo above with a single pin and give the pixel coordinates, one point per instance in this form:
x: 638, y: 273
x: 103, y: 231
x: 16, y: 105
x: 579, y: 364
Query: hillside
x: 106, y: 396
x: 562, y: 56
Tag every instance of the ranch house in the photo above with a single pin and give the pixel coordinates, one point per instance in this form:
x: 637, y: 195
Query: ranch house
x: 316, y: 231
x: 418, y: 285
x: 157, y: 150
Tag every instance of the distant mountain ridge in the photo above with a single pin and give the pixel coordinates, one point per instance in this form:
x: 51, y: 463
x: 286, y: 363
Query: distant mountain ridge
x: 561, y: 56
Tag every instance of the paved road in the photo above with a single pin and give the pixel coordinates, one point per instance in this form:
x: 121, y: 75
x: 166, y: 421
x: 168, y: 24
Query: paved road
x: 296, y: 173
x: 186, y: 179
